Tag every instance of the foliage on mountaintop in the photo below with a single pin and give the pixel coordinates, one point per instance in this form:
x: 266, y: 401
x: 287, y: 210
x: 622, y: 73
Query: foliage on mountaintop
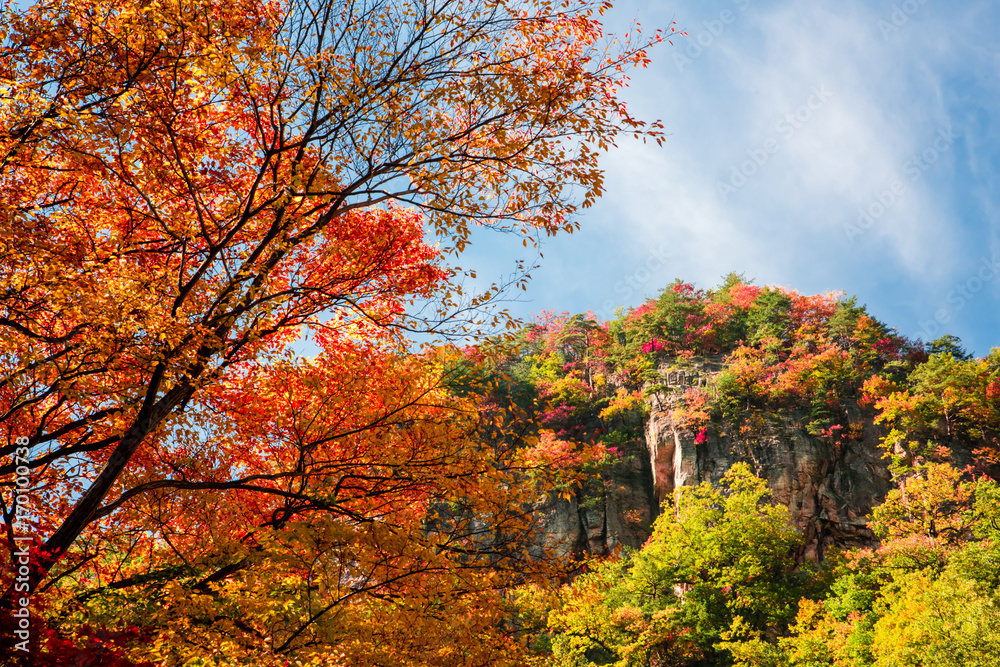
x: 587, y: 380
x: 821, y: 359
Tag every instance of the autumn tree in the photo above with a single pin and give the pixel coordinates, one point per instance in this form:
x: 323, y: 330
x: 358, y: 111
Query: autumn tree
x: 946, y: 409
x: 926, y: 595
x: 719, y: 574
x: 186, y: 187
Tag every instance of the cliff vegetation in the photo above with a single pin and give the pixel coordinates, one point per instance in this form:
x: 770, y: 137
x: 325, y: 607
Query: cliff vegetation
x: 770, y: 479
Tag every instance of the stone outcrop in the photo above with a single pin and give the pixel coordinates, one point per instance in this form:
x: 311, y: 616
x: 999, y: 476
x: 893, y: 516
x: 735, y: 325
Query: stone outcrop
x: 604, y: 516
x: 829, y: 488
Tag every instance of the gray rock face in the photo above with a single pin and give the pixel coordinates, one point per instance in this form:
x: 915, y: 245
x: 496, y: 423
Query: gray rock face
x: 605, y: 516
x: 829, y: 488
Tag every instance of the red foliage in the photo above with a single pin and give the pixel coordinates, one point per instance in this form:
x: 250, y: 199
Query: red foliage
x: 743, y: 295
x: 655, y: 345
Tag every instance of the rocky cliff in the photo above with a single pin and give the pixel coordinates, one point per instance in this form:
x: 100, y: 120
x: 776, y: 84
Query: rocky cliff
x: 829, y: 487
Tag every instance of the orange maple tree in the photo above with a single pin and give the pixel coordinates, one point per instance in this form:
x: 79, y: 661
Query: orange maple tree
x: 184, y: 187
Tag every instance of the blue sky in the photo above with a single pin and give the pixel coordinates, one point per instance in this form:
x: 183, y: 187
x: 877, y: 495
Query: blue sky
x: 822, y: 146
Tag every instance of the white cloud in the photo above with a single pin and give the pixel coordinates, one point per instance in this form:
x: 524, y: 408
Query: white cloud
x: 890, y: 95
x: 843, y: 152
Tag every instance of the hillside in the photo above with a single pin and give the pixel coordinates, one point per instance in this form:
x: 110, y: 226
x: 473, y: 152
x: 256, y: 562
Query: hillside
x: 811, y: 391
x: 794, y: 483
